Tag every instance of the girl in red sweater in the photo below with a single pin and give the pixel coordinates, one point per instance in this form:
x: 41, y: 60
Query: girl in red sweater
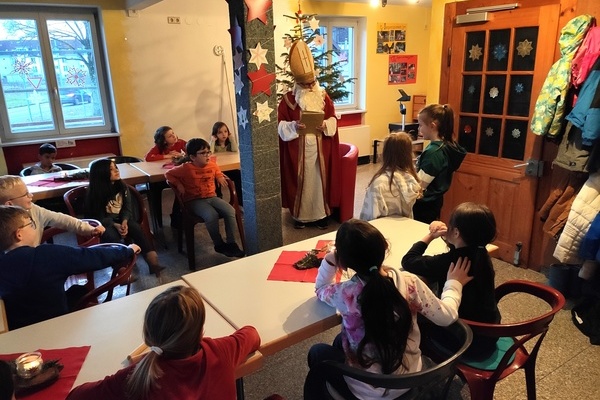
x: 167, y: 146
x: 177, y: 365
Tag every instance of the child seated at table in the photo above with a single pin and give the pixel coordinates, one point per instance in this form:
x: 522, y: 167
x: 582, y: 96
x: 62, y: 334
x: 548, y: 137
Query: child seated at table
x: 47, y: 156
x: 32, y: 278
x: 395, y: 187
x: 195, y: 182
x: 13, y: 191
x: 221, y: 140
x: 470, y: 228
x: 167, y: 146
x: 182, y: 363
x: 379, y: 321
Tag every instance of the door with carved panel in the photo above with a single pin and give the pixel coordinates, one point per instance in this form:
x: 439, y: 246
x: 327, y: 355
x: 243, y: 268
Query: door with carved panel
x: 496, y: 70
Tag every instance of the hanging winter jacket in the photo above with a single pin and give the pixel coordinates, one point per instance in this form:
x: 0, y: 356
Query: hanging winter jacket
x: 550, y: 106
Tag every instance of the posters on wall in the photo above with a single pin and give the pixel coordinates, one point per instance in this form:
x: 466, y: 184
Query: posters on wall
x: 402, y: 69
x: 391, y: 38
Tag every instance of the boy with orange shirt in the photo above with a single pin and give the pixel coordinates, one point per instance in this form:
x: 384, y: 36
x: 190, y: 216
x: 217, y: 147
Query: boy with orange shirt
x: 195, y: 181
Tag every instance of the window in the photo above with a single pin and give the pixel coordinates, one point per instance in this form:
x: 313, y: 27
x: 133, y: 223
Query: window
x: 342, y: 35
x: 54, y: 74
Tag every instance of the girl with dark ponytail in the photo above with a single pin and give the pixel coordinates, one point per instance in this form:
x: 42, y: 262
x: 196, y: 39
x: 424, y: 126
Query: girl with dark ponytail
x: 379, y: 331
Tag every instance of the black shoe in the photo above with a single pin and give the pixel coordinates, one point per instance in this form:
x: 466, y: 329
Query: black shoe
x: 222, y: 248
x: 322, y: 223
x: 299, y: 225
x: 234, y: 251
x: 176, y: 221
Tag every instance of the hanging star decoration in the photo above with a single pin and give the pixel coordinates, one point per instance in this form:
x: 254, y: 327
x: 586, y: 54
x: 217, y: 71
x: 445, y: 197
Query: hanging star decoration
x: 263, y: 111
x: 242, y: 115
x: 238, y: 60
x: 76, y: 76
x: 519, y: 88
x: 257, y: 9
x: 21, y: 66
x: 516, y: 133
x: 258, y: 55
x: 524, y: 48
x: 237, y: 82
x: 236, y: 35
x: 489, y: 131
x: 500, y: 52
x: 471, y: 89
x: 287, y: 43
x: 318, y: 40
x: 261, y: 81
x: 314, y: 23
x: 494, y: 92
x: 475, y: 52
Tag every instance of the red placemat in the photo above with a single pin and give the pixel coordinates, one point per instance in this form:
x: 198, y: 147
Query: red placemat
x: 71, y: 357
x: 284, y: 270
x: 50, y: 182
x: 168, y: 165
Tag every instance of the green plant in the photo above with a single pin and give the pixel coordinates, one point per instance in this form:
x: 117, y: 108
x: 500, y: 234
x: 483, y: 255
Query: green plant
x: 329, y: 74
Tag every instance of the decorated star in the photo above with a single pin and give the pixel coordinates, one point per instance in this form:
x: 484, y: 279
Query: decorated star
x: 318, y: 41
x: 314, y: 23
x: 263, y: 111
x: 516, y: 133
x: 261, y: 81
x: 519, y: 88
x: 500, y: 52
x: 238, y: 60
x: 475, y: 52
x: 471, y: 89
x: 524, y: 48
x: 258, y: 9
x: 287, y: 42
x: 489, y: 131
x: 494, y: 92
x: 258, y: 55
x: 236, y: 35
x: 237, y: 81
x: 242, y: 115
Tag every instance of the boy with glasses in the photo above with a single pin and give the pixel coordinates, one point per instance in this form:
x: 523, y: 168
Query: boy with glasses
x: 32, y: 278
x: 195, y: 182
x: 13, y: 191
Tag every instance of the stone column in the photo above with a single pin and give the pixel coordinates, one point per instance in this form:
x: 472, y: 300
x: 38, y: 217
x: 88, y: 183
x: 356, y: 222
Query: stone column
x: 253, y: 50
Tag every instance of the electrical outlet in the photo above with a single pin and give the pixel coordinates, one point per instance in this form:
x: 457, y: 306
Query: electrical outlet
x: 65, y: 143
x: 173, y: 20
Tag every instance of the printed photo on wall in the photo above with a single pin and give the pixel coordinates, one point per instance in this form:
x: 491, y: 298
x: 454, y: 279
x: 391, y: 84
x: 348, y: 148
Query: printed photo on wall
x: 391, y: 38
x: 402, y: 69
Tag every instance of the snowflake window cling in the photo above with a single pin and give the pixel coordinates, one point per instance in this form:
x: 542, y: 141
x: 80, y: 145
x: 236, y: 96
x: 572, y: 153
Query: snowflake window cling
x: 76, y: 77
x: 500, y: 52
x: 489, y: 131
x: 524, y: 48
x: 516, y: 133
x: 21, y: 67
x: 475, y: 52
x: 494, y: 92
x: 471, y: 89
x: 519, y: 88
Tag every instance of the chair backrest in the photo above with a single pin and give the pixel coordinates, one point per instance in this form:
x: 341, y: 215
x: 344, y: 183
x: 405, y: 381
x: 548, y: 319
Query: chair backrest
x: 417, y: 382
x: 121, y: 275
x: 347, y: 178
x: 67, y: 166
x: 25, y: 171
x: 82, y: 241
x: 75, y: 201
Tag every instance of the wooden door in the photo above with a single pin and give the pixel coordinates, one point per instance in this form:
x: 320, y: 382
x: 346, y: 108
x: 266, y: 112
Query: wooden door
x: 496, y: 69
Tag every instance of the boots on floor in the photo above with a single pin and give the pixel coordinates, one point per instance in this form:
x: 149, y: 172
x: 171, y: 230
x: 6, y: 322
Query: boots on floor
x: 152, y: 261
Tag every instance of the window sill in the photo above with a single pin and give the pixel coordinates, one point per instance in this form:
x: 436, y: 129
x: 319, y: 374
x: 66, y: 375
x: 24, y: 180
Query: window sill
x: 55, y: 138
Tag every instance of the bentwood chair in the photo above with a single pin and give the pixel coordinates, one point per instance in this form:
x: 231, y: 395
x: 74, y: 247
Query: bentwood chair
x: 189, y: 221
x: 512, y: 353
x: 348, y: 167
x: 121, y: 275
x: 431, y: 382
x: 64, y: 166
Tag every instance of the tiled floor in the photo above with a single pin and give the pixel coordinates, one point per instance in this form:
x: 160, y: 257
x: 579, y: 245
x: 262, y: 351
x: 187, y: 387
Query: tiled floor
x: 568, y: 366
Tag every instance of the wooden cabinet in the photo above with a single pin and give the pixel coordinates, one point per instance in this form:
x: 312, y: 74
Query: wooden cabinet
x: 419, y: 101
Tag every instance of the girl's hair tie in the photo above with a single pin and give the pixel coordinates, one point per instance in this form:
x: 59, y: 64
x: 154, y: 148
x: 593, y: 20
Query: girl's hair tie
x: 374, y: 268
x: 157, y: 350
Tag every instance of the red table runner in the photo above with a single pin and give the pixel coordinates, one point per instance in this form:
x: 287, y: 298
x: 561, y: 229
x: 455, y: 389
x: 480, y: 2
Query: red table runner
x: 71, y: 357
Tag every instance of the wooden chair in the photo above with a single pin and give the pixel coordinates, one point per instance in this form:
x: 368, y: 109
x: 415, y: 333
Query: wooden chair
x: 121, y: 275
x: 514, y: 355
x: 189, y: 221
x: 420, y: 384
x: 64, y: 166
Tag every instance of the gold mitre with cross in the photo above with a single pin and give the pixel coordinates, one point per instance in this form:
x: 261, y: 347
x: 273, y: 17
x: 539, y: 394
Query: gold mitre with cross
x: 302, y: 64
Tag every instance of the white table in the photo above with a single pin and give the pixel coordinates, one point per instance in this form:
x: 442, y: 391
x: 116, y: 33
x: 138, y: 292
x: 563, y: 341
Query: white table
x: 112, y: 329
x: 284, y: 313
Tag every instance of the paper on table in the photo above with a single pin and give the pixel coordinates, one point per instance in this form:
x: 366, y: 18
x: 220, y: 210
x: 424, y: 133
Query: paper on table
x: 312, y: 120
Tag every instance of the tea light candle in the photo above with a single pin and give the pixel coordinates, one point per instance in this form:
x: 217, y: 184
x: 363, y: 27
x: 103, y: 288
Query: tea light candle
x: 29, y: 364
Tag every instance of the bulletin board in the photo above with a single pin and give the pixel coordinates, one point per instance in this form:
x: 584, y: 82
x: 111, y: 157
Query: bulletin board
x: 402, y: 69
x: 391, y: 38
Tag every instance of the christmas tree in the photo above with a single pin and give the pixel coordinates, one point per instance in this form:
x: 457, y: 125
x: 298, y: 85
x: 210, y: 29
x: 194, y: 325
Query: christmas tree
x: 329, y: 74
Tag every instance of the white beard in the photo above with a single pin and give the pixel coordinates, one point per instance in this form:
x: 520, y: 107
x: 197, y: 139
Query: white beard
x: 310, y: 99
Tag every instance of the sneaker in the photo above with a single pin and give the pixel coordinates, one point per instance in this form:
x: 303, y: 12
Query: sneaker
x: 299, y: 225
x: 322, y: 223
x: 234, y: 251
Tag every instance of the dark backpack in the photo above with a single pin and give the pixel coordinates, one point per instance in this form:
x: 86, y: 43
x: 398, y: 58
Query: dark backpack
x: 586, y: 317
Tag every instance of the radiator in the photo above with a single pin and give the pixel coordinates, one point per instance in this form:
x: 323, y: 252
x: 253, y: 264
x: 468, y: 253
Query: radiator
x: 358, y: 135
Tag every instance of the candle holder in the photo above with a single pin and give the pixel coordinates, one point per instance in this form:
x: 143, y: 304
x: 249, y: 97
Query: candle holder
x: 29, y: 364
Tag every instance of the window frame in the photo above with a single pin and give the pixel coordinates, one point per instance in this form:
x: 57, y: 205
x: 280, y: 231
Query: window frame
x: 41, y: 14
